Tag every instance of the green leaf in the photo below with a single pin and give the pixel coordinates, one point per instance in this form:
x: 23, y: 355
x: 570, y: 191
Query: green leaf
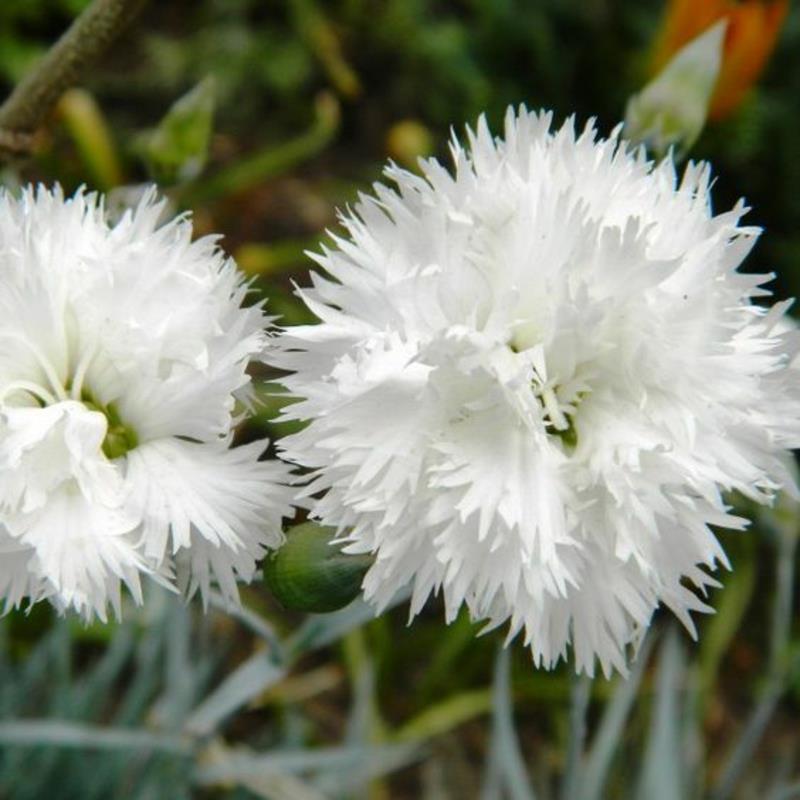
x: 443, y: 717
x: 252, y: 678
x: 611, y: 730
x: 177, y: 150
x: 271, y: 160
x: 35, y: 732
x: 267, y: 773
x: 719, y: 631
x: 324, y: 629
x: 664, y: 776
x: 506, y: 763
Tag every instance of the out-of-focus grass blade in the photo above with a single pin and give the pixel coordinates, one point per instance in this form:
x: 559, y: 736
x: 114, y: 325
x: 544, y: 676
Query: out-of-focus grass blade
x: 361, y: 763
x: 779, y: 664
x: 262, y: 258
x: 380, y: 761
x: 73, y: 734
x: 320, y: 630
x: 39, y: 667
x: 146, y: 674
x: 492, y: 787
x: 249, y: 680
x: 663, y: 776
x: 362, y: 676
x: 507, y: 767
x: 790, y: 792
x: 456, y: 638
x: 225, y: 767
x: 275, y: 159
x: 251, y: 620
x: 93, y: 138
x: 445, y: 716
x: 180, y: 670
x: 580, y: 694
x: 719, y: 630
x: 609, y: 734
x: 322, y: 40
x: 278, y: 786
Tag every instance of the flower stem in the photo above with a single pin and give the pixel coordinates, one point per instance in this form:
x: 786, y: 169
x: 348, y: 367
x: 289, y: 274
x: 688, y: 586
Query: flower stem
x: 84, y: 41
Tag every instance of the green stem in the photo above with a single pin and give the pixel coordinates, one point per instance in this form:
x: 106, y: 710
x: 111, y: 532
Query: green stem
x: 270, y: 161
x: 85, y: 40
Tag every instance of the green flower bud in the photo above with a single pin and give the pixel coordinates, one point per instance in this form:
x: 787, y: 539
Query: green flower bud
x: 671, y: 110
x: 310, y: 573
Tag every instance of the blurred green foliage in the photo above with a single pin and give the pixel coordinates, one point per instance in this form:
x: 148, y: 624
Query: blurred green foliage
x: 438, y: 63
x: 176, y: 151
x: 310, y: 98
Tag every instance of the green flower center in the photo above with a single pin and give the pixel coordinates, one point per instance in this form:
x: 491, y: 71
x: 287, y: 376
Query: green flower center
x: 120, y: 437
x: 560, y: 422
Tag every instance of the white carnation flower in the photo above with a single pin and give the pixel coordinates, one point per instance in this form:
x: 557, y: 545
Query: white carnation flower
x: 122, y: 351
x: 534, y: 379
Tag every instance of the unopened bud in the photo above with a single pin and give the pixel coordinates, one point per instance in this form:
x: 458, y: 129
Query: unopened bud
x: 310, y: 573
x: 672, y: 109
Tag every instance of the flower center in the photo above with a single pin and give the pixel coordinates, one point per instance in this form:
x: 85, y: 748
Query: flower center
x: 568, y: 435
x: 559, y: 416
x: 120, y: 438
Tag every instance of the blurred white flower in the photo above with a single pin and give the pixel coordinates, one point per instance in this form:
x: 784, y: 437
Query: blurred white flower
x: 532, y: 382
x: 122, y: 351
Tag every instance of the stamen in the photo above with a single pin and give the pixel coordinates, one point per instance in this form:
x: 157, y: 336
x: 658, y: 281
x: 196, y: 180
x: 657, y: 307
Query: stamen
x: 557, y: 417
x: 33, y: 389
x: 43, y: 361
x: 80, y: 372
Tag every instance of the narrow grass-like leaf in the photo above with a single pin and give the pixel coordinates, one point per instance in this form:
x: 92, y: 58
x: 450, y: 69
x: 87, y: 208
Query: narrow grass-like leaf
x: 278, y: 786
x: 778, y: 664
x: 73, y: 734
x: 663, y: 775
x: 380, y: 761
x: 580, y: 694
x: 246, y: 682
x: 443, y: 717
x: 362, y: 676
x: 510, y: 761
x: 609, y: 734
x: 320, y: 630
x: 238, y: 766
x: 146, y: 675
x: 789, y: 792
x: 252, y: 621
x: 720, y: 629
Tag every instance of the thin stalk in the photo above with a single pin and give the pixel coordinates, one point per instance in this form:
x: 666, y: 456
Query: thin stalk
x: 777, y: 668
x: 580, y: 695
x: 84, y: 41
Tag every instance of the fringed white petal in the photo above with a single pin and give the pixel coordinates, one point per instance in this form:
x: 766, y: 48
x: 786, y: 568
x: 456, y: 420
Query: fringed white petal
x: 533, y: 379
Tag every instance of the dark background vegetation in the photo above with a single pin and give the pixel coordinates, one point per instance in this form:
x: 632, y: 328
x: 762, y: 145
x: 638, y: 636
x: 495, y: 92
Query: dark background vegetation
x: 310, y: 100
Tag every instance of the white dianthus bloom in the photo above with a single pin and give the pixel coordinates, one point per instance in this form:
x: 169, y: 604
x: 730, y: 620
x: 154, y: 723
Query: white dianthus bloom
x: 123, y: 348
x: 534, y: 379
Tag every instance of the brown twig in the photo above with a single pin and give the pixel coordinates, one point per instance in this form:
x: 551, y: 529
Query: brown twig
x: 90, y: 34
